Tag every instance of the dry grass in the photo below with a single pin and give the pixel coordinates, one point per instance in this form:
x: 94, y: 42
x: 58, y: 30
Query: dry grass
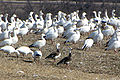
x: 93, y: 64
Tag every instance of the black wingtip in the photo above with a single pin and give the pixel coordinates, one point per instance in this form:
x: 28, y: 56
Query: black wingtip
x: 31, y: 45
x: 64, y: 42
x: 106, y: 49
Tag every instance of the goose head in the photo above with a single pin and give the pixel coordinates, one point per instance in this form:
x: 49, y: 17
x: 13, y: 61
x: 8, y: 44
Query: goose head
x: 43, y: 36
x: 41, y: 13
x: 31, y: 13
x: 83, y: 14
x: 70, y: 51
x: 1, y: 15
x: 57, y: 46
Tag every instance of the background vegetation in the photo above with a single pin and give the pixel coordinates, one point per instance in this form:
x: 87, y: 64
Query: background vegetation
x: 23, y: 7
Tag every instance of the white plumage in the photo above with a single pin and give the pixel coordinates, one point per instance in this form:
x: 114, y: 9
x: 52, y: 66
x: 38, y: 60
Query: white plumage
x: 88, y: 43
x: 74, y: 38
x: 24, y: 50
x: 37, y: 54
x: 40, y: 43
x: 9, y: 50
x: 98, y: 37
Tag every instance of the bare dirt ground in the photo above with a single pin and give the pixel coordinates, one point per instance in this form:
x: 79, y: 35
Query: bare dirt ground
x: 93, y: 64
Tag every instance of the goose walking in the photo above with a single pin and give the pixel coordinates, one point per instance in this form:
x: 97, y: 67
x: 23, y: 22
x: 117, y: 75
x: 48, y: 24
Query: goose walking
x: 54, y: 55
x: 24, y: 50
x: 40, y: 43
x: 66, y: 60
x: 9, y: 50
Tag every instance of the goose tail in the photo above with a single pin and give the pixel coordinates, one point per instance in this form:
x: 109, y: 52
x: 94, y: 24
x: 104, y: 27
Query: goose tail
x: 60, y: 62
x: 84, y: 46
x: 31, y: 45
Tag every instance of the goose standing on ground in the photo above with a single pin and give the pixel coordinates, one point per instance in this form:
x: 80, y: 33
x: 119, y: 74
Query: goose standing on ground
x: 14, y: 38
x: 74, y: 37
x: 23, y: 30
x: 37, y: 54
x: 88, y: 43
x: 8, y: 41
x: 52, y: 34
x: 66, y: 60
x: 99, y: 37
x: 55, y: 55
x: 24, y: 50
x: 9, y: 50
x: 115, y: 44
x: 48, y: 20
x: 40, y: 43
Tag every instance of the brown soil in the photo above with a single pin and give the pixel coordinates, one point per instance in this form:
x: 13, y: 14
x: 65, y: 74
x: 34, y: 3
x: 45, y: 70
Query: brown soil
x: 92, y: 64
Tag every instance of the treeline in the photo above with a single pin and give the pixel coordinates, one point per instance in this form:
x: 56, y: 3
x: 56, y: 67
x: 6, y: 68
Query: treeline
x: 112, y: 1
x: 23, y: 9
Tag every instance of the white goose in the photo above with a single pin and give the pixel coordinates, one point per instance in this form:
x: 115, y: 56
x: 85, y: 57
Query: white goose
x: 114, y: 45
x: 14, y: 38
x: 88, y: 43
x: 30, y: 21
x: 109, y: 30
x: 7, y: 41
x: 48, y: 20
x: 40, y: 43
x: 9, y: 50
x: 5, y: 24
x: 74, y: 37
x: 37, y: 54
x: 24, y: 50
x: 13, y: 23
x: 99, y: 36
x: 4, y: 35
x: 23, y: 31
x: 83, y: 21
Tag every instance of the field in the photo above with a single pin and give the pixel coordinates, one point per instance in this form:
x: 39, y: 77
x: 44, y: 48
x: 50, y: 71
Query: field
x: 93, y: 64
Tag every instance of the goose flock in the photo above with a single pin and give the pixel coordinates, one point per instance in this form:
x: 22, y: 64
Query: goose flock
x: 71, y: 27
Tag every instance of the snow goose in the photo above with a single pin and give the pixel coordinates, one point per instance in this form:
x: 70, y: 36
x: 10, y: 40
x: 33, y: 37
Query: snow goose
x: 7, y: 41
x: 2, y: 22
x: 114, y: 38
x: 55, y: 55
x: 68, y: 32
x: 83, y: 21
x: 53, y: 34
x: 62, y: 19
x: 4, y: 35
x: 14, y: 38
x: 39, y: 23
x: 23, y: 31
x: 74, y: 37
x: 30, y: 22
x: 24, y: 50
x: 13, y: 23
x: 109, y: 30
x: 9, y: 50
x: 114, y: 45
x: 48, y: 20
x: 88, y: 43
x: 66, y: 60
x: 99, y: 36
x: 37, y: 54
x: 40, y: 43
x: 5, y: 24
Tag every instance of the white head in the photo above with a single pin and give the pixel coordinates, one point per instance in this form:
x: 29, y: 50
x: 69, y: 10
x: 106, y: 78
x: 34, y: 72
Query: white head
x: 57, y: 45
